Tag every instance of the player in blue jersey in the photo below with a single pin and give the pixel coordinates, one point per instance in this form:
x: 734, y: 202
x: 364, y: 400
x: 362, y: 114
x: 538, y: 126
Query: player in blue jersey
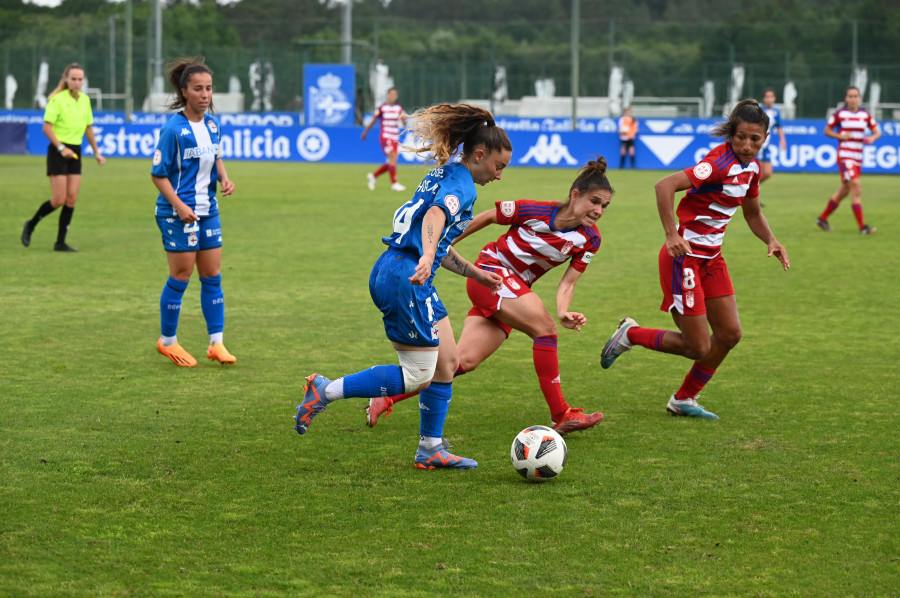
x: 765, y: 154
x: 401, y: 283
x: 186, y: 169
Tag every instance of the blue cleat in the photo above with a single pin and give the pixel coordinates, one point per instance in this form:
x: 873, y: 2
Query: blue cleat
x: 617, y: 344
x: 440, y: 458
x: 314, y: 401
x: 688, y: 408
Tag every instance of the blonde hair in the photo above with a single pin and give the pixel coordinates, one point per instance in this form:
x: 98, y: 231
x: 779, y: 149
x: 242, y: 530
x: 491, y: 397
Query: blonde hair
x: 63, y: 84
x: 447, y: 129
x: 180, y: 72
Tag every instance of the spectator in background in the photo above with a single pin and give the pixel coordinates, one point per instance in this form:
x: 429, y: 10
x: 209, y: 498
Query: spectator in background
x: 628, y: 128
x: 68, y: 120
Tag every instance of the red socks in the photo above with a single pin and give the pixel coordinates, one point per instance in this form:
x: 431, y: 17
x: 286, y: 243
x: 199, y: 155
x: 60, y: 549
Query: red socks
x: 694, y: 382
x: 383, y: 169
x: 832, y: 206
x: 857, y: 212
x: 546, y: 365
x: 649, y: 338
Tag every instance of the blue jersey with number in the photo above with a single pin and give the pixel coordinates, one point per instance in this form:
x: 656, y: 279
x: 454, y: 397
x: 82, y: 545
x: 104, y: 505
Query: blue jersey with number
x: 449, y: 187
x: 186, y: 155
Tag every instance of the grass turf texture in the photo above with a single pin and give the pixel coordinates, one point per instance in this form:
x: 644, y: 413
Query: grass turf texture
x: 121, y: 474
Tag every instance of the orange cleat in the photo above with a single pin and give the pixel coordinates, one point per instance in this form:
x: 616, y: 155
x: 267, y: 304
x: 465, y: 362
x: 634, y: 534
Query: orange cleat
x: 177, y: 354
x: 218, y: 352
x: 575, y: 419
x: 377, y: 407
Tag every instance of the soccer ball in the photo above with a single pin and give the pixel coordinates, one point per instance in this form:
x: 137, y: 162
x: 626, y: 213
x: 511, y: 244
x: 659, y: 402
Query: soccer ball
x: 538, y: 453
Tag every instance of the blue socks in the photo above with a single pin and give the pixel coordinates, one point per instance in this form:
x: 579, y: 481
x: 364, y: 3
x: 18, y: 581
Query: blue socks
x: 378, y: 381
x: 212, y: 301
x: 170, y: 305
x: 434, y: 403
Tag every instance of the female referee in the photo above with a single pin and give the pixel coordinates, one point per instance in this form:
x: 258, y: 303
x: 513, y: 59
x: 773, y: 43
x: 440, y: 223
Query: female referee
x: 696, y: 286
x: 415, y: 319
x: 67, y: 121
x: 186, y: 168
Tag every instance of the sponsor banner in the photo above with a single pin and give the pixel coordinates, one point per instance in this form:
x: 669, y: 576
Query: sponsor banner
x: 329, y: 95
x: 662, y: 144
x: 13, y: 138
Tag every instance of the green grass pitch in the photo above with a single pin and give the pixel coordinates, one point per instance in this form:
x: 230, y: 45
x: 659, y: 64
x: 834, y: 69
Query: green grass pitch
x: 122, y: 475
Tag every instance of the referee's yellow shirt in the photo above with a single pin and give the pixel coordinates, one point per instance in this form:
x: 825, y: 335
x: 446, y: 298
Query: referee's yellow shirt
x: 69, y: 117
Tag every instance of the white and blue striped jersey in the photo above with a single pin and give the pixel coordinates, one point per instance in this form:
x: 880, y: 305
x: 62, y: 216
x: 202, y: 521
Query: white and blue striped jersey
x: 186, y: 155
x: 774, y: 122
x: 452, y: 189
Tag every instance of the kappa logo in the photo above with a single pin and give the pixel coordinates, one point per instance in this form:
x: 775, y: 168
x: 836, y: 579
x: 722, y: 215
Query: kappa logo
x: 185, y: 131
x: 549, y: 150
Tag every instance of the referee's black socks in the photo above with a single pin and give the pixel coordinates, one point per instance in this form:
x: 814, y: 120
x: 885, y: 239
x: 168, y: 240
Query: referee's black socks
x: 45, y: 209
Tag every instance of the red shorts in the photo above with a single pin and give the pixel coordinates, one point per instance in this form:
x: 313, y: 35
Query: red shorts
x: 389, y: 146
x: 850, y: 169
x: 687, y: 282
x: 485, y: 304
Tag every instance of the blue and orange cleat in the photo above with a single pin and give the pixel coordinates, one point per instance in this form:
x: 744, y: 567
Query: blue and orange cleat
x: 439, y: 457
x: 314, y: 401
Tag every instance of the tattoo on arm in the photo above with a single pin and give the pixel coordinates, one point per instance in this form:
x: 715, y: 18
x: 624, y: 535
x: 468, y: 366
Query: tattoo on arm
x: 430, y: 233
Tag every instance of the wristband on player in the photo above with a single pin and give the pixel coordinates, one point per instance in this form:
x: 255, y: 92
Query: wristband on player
x: 61, y: 147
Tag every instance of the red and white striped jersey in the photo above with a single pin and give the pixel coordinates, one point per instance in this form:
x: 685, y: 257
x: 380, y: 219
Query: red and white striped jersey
x: 532, y: 246
x: 854, y: 123
x: 720, y: 184
x: 390, y: 120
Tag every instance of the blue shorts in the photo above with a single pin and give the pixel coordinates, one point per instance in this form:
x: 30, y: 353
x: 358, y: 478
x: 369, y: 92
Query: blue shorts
x: 410, y: 312
x: 177, y: 236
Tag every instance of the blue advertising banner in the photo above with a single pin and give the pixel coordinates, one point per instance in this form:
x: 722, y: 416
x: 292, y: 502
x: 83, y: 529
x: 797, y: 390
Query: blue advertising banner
x: 329, y: 94
x: 662, y: 144
x: 13, y: 138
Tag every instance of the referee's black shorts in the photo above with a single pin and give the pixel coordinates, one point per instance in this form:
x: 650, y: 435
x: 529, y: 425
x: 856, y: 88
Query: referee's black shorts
x: 57, y: 165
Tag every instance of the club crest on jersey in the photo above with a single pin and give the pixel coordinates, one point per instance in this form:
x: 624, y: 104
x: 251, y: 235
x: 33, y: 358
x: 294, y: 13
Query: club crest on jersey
x: 508, y: 208
x: 452, y: 203
x: 566, y: 248
x: 212, y: 126
x: 702, y: 170
x: 689, y: 299
x: 157, y: 157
